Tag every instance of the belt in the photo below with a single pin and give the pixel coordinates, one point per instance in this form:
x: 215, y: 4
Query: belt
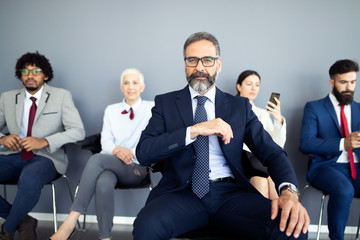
x: 225, y: 179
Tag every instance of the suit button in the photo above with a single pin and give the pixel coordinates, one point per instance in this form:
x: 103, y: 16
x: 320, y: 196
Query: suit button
x: 194, y: 156
x: 188, y: 181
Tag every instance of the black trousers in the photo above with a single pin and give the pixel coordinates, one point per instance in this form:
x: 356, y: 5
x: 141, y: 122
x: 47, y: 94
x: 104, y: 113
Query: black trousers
x: 225, y: 208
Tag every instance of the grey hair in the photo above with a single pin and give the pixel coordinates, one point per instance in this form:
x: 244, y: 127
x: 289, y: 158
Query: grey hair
x: 202, y: 36
x: 132, y: 71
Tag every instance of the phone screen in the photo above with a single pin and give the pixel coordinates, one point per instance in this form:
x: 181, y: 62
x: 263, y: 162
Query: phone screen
x: 274, y: 95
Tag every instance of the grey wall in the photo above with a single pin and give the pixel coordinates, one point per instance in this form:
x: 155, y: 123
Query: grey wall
x: 290, y: 43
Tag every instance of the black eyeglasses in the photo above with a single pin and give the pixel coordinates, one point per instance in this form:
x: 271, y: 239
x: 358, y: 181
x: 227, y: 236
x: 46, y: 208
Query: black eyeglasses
x: 34, y: 71
x: 136, y: 171
x: 206, y: 61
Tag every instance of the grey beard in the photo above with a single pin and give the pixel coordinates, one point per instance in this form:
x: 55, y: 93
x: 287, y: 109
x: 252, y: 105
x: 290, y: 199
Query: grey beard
x: 201, y: 86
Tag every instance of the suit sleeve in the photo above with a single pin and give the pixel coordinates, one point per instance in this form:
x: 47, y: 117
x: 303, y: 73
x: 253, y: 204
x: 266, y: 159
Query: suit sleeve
x: 268, y: 152
x: 72, y: 124
x: 157, y: 142
x: 312, y: 139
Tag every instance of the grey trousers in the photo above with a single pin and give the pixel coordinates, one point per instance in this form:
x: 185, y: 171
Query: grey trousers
x: 102, y: 172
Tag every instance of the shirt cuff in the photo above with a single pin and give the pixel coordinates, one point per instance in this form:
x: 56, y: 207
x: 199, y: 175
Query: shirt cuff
x: 341, y: 147
x: 188, y: 140
x: 284, y: 183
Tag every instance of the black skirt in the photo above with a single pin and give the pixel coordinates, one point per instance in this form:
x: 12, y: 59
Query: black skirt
x: 252, y: 166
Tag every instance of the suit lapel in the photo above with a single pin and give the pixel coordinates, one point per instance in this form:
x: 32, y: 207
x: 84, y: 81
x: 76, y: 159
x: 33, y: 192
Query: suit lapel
x: 45, y: 95
x: 330, y: 108
x: 222, y: 106
x: 184, y: 106
x: 19, y: 105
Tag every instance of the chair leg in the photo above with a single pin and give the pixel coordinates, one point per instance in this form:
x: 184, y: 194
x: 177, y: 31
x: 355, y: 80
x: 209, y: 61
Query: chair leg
x: 303, y: 191
x: 70, y: 193
x: 83, y: 229
x: 54, y: 206
x: 357, y: 231
x: 321, y: 215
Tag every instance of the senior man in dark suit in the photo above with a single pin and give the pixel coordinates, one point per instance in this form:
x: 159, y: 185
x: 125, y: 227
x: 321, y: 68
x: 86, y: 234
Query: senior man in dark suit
x: 40, y: 119
x: 195, y: 137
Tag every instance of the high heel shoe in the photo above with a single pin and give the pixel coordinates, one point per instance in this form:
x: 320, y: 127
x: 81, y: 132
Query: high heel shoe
x: 71, y: 234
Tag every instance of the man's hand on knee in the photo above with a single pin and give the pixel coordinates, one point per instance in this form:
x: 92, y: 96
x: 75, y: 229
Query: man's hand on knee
x: 292, y: 212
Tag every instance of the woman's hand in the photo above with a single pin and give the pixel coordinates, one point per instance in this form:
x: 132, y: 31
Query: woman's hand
x: 124, y: 154
x: 275, y: 111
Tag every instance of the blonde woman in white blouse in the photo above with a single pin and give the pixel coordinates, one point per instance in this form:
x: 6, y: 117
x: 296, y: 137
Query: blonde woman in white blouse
x: 117, y: 162
x: 248, y: 85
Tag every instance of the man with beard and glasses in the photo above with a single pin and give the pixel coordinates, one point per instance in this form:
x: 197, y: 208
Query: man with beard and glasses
x: 195, y: 138
x: 35, y: 122
x: 330, y: 132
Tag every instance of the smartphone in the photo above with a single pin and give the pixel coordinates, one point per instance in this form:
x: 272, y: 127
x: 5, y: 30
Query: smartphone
x: 272, y: 96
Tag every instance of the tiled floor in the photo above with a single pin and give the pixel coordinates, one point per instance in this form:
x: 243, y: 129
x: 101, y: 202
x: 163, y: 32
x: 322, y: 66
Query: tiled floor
x: 120, y: 232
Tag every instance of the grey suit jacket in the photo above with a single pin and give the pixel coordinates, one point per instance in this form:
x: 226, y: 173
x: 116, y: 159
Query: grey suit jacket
x: 57, y: 120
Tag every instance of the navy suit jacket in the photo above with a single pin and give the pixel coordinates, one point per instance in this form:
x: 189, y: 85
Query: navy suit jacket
x: 163, y: 141
x: 321, y: 134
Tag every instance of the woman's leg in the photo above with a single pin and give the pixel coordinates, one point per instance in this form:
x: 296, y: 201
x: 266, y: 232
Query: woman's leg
x: 261, y: 184
x: 104, y: 203
x: 272, y: 190
x: 90, y: 175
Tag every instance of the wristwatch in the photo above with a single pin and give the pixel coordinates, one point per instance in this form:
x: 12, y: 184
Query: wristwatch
x: 291, y: 188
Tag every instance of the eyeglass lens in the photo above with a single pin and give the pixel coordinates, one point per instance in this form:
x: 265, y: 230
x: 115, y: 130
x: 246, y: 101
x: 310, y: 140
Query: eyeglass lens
x: 206, y: 61
x: 34, y: 71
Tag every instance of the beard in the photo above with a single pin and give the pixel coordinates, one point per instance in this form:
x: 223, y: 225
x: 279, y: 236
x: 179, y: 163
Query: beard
x: 343, y: 97
x: 201, y: 85
x: 31, y: 89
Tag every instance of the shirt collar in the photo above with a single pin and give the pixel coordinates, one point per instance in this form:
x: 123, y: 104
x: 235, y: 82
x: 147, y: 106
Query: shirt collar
x: 134, y: 106
x: 37, y: 95
x: 209, y: 94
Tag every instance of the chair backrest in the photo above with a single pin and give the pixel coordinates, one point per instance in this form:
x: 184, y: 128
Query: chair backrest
x: 91, y: 143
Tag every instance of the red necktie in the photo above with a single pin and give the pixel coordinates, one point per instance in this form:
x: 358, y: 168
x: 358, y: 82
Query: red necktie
x: 131, y: 113
x: 345, y: 133
x: 25, y: 155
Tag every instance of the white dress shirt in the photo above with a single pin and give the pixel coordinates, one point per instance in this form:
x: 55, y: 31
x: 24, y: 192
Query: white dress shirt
x: 343, y: 158
x: 217, y: 163
x: 119, y: 130
x: 276, y: 130
x: 26, y: 111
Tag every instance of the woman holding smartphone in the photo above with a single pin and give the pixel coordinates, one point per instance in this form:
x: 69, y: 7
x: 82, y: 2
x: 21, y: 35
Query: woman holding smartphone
x: 248, y: 85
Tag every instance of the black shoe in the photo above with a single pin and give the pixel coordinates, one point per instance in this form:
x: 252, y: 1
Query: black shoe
x: 27, y: 229
x: 4, y: 235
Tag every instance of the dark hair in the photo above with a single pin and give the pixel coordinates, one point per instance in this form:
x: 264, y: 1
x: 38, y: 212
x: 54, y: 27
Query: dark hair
x: 343, y: 66
x: 242, y: 77
x: 34, y: 59
x: 202, y: 36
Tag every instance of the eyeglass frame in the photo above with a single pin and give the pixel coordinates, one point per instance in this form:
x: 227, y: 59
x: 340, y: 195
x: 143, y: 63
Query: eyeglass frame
x: 201, y: 59
x: 30, y: 70
x: 137, y: 172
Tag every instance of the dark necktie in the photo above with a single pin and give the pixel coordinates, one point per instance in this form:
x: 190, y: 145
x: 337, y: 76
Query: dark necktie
x: 200, y: 177
x: 131, y: 113
x: 25, y: 155
x: 345, y: 133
